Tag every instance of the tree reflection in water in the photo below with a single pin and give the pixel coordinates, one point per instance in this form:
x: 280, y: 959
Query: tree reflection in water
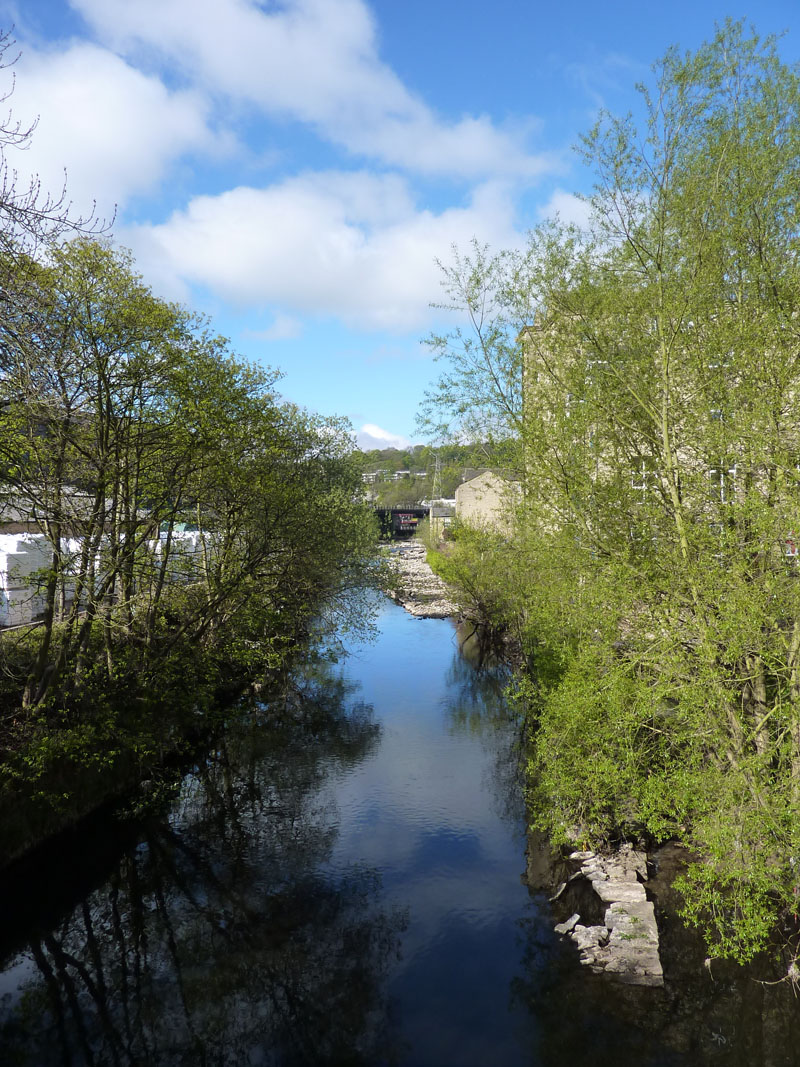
x: 219, y: 939
x: 727, y: 1016
x: 477, y: 704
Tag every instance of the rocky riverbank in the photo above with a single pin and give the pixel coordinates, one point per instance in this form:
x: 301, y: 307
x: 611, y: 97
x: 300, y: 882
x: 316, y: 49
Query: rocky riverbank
x: 604, y: 906
x: 421, y: 592
x: 614, y: 928
x: 624, y: 944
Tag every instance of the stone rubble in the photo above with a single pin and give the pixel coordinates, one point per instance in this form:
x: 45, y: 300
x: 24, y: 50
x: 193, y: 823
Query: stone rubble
x: 626, y: 947
x: 421, y: 592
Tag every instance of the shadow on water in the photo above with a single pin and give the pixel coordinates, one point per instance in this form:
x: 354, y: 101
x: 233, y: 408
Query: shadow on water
x: 216, y: 938
x: 241, y: 926
x: 707, y: 1015
x: 476, y: 704
x: 724, y: 1017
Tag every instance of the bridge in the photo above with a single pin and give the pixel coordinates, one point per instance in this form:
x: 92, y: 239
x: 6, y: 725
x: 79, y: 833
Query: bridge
x: 401, y: 520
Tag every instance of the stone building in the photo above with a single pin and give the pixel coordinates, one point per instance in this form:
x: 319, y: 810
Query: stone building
x: 487, y: 500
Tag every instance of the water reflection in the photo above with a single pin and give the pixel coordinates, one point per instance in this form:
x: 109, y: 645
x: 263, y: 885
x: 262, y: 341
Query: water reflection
x: 218, y: 939
x: 709, y: 1013
x: 725, y: 1016
x: 724, y: 1019
x: 260, y: 920
x: 476, y: 704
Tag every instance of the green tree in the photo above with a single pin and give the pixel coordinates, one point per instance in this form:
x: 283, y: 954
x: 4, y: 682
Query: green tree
x: 478, y: 396
x: 124, y: 419
x: 90, y: 445
x: 657, y: 353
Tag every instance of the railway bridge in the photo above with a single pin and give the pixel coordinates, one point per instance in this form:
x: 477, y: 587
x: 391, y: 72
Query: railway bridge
x: 401, y: 520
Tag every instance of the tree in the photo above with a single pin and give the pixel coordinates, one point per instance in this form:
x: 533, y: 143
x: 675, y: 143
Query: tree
x: 31, y: 218
x: 88, y: 416
x: 124, y: 419
x: 660, y: 443
x: 479, y: 395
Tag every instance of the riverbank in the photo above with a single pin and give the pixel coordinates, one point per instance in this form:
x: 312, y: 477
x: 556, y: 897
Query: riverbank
x: 58, y: 772
x: 339, y: 875
x: 624, y: 943
x: 421, y: 592
x: 129, y: 739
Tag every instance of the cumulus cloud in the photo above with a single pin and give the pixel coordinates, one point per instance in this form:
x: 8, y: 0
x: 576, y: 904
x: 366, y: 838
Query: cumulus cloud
x: 349, y: 245
x: 372, y: 436
x: 282, y: 328
x: 568, y: 207
x: 316, y: 61
x: 114, y: 129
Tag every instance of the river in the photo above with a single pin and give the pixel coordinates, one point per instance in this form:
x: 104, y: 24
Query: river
x: 340, y: 882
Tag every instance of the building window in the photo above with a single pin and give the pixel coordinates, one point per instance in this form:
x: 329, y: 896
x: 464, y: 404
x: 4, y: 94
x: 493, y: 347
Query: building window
x: 643, y: 474
x: 722, y: 482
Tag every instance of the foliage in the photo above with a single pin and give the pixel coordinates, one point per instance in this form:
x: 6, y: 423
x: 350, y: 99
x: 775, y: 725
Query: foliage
x: 479, y: 396
x: 649, y: 367
x: 181, y: 500
x: 476, y: 564
x: 197, y: 527
x: 435, y: 470
x: 403, y: 491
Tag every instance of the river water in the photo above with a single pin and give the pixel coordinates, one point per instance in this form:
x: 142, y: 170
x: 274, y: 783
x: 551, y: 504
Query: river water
x: 339, y: 882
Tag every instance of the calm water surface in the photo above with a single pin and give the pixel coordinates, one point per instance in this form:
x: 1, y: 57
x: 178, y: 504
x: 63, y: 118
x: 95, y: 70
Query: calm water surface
x: 340, y: 882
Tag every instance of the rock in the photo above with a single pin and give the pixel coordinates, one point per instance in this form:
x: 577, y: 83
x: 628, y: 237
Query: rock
x: 565, y: 927
x: 625, y: 914
x: 609, y: 891
x: 421, y: 592
x: 626, y: 947
x: 589, y: 938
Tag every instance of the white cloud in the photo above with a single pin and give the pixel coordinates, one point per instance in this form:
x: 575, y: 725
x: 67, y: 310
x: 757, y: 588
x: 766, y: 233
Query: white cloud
x: 568, y: 207
x: 348, y: 245
x: 114, y: 129
x: 316, y: 61
x: 282, y: 328
x: 372, y: 436
x: 605, y: 75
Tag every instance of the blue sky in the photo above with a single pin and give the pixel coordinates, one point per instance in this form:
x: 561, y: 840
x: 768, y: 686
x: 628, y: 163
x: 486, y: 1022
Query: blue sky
x: 294, y: 168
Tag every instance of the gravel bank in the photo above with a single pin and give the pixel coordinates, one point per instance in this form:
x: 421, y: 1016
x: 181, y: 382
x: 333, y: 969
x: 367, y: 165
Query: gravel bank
x: 419, y: 591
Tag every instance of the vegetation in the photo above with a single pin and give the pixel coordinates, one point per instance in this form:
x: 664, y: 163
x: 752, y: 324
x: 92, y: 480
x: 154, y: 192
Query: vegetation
x: 649, y: 368
x: 188, y: 515
x: 241, y: 852
x: 193, y: 528
x: 432, y: 471
x: 123, y: 421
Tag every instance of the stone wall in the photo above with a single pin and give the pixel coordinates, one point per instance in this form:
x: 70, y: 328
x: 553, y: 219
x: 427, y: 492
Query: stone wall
x: 485, y: 500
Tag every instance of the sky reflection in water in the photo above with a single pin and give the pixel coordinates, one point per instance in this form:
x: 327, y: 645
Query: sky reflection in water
x: 338, y: 883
